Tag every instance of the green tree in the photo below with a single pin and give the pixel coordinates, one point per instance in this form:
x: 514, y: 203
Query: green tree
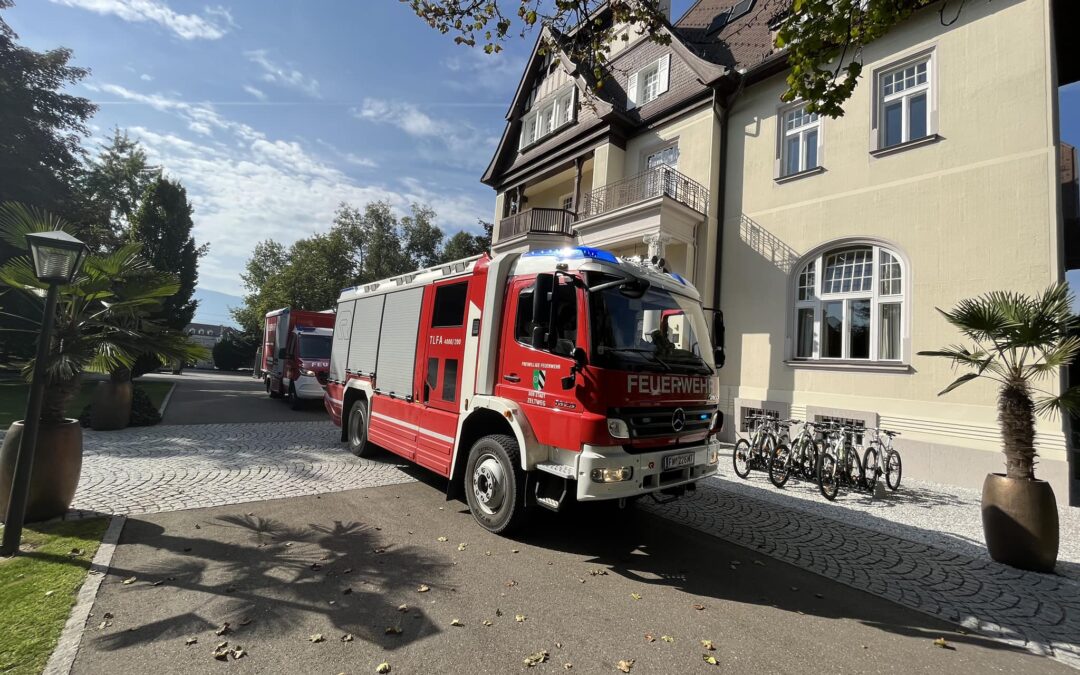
x: 260, y: 277
x: 384, y: 256
x: 163, y: 226
x: 235, y: 351
x: 465, y: 245
x: 114, y: 184
x: 1017, y: 341
x: 422, y: 238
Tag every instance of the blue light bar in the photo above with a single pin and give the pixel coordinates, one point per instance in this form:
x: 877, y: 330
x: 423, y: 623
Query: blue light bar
x: 678, y: 277
x: 575, y: 253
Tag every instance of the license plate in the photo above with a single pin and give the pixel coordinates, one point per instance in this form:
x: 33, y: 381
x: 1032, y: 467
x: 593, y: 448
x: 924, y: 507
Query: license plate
x: 676, y: 461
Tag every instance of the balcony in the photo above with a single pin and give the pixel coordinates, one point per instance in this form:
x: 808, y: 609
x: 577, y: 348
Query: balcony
x: 661, y: 181
x: 536, y: 221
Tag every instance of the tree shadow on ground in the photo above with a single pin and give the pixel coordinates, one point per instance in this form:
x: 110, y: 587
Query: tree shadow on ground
x: 265, y: 579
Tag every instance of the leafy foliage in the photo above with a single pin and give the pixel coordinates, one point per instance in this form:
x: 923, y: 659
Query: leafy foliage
x: 102, y: 321
x: 465, y: 245
x: 113, y: 187
x: 234, y: 351
x: 1017, y: 341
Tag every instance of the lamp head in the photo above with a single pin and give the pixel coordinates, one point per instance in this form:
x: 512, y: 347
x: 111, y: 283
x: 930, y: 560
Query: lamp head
x: 57, y: 256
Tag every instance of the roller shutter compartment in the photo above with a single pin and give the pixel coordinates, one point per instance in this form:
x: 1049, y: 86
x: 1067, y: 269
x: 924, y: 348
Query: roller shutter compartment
x: 340, y: 350
x: 397, y: 346
x: 366, y: 322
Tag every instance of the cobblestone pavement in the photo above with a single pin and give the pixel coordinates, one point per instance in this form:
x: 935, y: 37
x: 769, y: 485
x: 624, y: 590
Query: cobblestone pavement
x: 173, y: 467
x: 1039, y: 612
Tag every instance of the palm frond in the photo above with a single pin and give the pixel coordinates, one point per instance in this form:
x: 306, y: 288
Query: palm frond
x: 966, y: 377
x: 1069, y: 402
x: 18, y: 220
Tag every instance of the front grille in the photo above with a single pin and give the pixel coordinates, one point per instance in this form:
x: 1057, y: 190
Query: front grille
x: 658, y: 422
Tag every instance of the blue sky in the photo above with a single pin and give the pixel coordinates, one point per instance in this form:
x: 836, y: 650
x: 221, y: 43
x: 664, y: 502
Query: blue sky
x: 271, y: 113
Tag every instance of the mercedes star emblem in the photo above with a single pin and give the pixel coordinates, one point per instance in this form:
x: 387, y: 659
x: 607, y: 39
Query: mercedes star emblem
x: 678, y: 420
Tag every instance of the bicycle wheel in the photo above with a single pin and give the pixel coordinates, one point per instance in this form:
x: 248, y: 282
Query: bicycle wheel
x: 870, y: 465
x: 740, y: 457
x: 811, y: 453
x: 853, y: 469
x: 763, y: 458
x: 828, y: 476
x: 894, y: 470
x: 780, y: 466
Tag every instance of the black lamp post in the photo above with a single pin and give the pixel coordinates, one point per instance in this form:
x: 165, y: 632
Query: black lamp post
x: 57, y: 257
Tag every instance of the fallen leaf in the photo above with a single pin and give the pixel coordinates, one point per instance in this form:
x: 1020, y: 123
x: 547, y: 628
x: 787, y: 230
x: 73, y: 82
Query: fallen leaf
x: 222, y: 652
x: 698, y: 607
x: 316, y: 566
x: 191, y: 641
x: 245, y: 621
x: 940, y: 642
x: 456, y: 622
x: 598, y: 572
x: 536, y: 658
x: 238, y: 653
x: 383, y: 667
x: 558, y: 645
x: 710, y: 659
x: 758, y: 562
x: 423, y: 588
x: 707, y: 644
x: 317, y: 637
x: 393, y: 630
x: 346, y: 591
x: 222, y: 645
x: 128, y: 581
x: 403, y: 608
x: 520, y: 618
x: 487, y: 622
x: 514, y: 550
x: 487, y: 552
x: 103, y: 625
x: 667, y: 638
x: 819, y: 596
x: 498, y: 612
x: 581, y: 580
x: 636, y: 596
x: 197, y: 527
x: 378, y: 550
x: 348, y: 570
x: 511, y: 583
x: 461, y: 546
x: 442, y: 539
x: 347, y: 637
x: 625, y: 665
x: 158, y: 582
x: 794, y: 588
x: 48, y: 593
x: 567, y: 666
x: 649, y: 637
x: 223, y: 629
x: 76, y: 552
x: 107, y: 615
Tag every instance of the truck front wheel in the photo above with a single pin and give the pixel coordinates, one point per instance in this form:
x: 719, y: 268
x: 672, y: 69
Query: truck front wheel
x: 358, y: 422
x: 495, y: 484
x: 270, y: 388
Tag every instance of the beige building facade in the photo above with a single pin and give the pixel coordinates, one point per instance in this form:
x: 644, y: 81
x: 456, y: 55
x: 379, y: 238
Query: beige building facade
x: 827, y: 243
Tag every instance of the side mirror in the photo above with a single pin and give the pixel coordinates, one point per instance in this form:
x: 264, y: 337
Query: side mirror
x: 542, y: 306
x: 581, y: 359
x: 719, y: 356
x: 281, y: 353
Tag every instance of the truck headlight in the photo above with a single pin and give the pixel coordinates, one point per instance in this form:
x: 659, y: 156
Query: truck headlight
x: 618, y: 428
x: 309, y: 373
x: 616, y: 475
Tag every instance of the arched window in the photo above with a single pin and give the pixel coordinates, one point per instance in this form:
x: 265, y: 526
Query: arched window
x: 849, y: 305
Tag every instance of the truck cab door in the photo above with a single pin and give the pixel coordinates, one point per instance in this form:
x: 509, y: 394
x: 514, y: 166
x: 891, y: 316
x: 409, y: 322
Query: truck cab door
x: 536, y: 355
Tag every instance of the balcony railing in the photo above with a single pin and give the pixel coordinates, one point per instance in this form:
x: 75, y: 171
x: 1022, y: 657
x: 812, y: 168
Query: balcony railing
x: 661, y: 181
x: 545, y: 221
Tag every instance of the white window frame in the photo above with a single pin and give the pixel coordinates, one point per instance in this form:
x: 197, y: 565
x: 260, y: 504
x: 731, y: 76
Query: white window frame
x: 636, y: 85
x: 548, y: 116
x: 883, y: 97
x: 812, y: 123
x: 667, y: 147
x: 816, y: 300
x: 566, y: 202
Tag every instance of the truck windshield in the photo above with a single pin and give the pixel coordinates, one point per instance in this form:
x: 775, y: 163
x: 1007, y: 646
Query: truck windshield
x: 315, y: 346
x: 659, y: 331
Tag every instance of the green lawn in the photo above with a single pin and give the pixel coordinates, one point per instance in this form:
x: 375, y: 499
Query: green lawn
x: 13, y: 398
x: 38, y: 589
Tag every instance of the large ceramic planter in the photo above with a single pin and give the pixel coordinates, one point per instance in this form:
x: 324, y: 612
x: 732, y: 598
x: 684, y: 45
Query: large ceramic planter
x: 1020, y: 522
x: 111, y: 406
x: 55, y: 475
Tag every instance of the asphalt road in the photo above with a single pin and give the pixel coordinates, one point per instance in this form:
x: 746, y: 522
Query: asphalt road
x: 215, y: 397
x: 589, y: 585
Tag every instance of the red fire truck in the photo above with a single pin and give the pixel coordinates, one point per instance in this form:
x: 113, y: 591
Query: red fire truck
x: 530, y: 380
x: 295, y: 354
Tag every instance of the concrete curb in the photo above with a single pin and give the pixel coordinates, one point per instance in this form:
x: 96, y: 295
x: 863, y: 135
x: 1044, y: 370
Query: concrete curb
x: 67, y: 648
x: 165, y: 402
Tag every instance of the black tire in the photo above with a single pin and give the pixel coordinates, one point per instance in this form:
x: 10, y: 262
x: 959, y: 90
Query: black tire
x: 854, y: 470
x: 741, y: 456
x: 893, y: 483
x: 828, y: 476
x: 295, y: 402
x: 870, y: 467
x: 270, y: 388
x: 356, y: 430
x: 495, y: 484
x: 780, y: 466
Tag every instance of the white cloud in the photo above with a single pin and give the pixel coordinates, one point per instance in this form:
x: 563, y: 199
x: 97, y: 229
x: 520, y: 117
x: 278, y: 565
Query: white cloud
x: 212, y: 25
x: 283, y: 76
x: 146, y: 77
x: 256, y: 92
x: 246, y: 187
x: 498, y: 72
x: 456, y: 143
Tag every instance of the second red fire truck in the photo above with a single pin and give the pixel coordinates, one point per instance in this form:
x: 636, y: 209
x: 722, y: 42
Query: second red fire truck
x: 530, y: 380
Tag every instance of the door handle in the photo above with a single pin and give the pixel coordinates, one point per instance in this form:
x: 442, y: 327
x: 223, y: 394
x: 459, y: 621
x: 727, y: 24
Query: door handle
x: 512, y: 378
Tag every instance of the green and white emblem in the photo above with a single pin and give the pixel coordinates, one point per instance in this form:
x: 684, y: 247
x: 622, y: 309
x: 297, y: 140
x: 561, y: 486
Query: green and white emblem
x: 539, y: 378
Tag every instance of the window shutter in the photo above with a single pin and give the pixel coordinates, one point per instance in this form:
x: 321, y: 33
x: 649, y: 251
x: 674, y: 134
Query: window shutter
x: 665, y: 63
x: 571, y: 114
x: 632, y: 92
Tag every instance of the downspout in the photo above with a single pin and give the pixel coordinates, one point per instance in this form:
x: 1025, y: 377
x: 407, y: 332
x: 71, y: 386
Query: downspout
x: 720, y: 109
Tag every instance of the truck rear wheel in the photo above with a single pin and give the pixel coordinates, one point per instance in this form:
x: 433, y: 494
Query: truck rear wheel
x: 495, y: 484
x: 358, y: 423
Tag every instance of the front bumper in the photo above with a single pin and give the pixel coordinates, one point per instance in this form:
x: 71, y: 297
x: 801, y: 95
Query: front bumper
x: 648, y: 472
x: 308, y: 387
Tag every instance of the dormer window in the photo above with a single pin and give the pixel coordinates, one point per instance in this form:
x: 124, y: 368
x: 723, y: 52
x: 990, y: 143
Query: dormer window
x: 649, y: 83
x: 548, y: 116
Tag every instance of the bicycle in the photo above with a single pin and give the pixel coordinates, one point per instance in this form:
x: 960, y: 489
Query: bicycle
x: 757, y: 453
x: 800, y: 457
x: 877, y: 449
x: 839, y: 462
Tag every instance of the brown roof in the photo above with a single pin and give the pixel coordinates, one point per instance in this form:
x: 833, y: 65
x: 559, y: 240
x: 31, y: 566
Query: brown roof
x: 733, y: 33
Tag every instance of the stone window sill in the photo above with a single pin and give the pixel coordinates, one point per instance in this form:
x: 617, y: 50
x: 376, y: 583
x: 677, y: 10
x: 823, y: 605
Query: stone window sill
x: 840, y: 365
x: 900, y: 147
x: 802, y: 174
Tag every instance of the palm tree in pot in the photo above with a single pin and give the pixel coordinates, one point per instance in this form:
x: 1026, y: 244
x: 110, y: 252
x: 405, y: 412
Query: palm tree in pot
x: 1019, y: 342
x: 97, y: 329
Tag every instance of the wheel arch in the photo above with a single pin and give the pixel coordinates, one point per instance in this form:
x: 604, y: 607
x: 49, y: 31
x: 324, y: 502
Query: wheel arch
x: 477, y: 424
x: 351, y: 395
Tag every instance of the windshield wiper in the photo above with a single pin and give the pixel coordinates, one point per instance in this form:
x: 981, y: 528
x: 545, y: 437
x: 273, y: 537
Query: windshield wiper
x: 641, y: 350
